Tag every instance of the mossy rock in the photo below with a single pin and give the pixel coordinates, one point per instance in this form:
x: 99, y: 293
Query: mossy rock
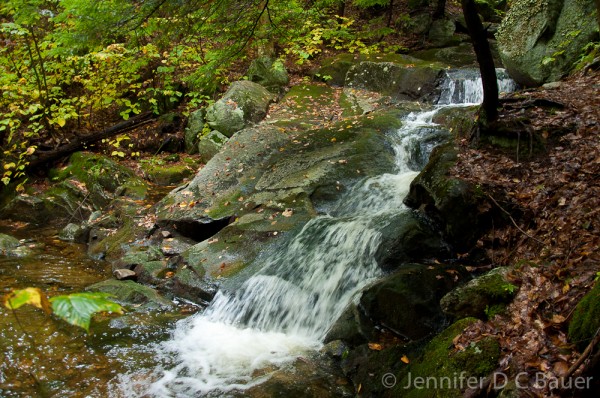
x: 195, y: 126
x: 269, y: 73
x: 162, y: 173
x: 407, y: 302
x: 12, y: 247
x: 439, y: 360
x: 395, y: 80
x: 244, y: 103
x: 210, y: 144
x: 488, y: 292
x: 586, y: 318
x: 459, y: 209
x: 131, y: 294
x: 539, y: 41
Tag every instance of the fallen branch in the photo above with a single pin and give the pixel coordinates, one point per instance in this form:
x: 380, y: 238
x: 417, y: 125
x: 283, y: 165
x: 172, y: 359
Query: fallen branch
x: 43, y: 157
x: 515, y: 223
x: 586, y: 353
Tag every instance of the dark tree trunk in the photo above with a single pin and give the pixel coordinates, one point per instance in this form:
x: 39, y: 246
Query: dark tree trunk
x: 342, y: 8
x: 440, y: 9
x: 485, y: 60
x: 391, y: 13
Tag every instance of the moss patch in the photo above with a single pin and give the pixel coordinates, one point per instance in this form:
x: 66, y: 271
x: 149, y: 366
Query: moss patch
x: 440, y: 363
x: 586, y: 318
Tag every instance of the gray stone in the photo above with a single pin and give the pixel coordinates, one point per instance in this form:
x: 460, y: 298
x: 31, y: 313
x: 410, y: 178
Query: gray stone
x: 11, y: 246
x: 395, y: 80
x: 75, y: 233
x: 441, y: 32
x: 243, y: 104
x: 210, y: 144
x: 124, y: 273
x: 539, y: 40
x: 225, y: 116
x: 269, y: 73
x: 195, y: 126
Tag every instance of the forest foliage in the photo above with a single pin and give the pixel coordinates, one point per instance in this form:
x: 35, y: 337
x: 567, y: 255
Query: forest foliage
x: 68, y: 67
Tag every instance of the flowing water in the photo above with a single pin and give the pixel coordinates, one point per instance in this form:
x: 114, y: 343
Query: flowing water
x: 281, y: 313
x: 286, y: 308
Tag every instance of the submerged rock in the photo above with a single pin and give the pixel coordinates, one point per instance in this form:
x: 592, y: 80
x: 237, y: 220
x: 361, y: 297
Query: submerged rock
x: 13, y: 247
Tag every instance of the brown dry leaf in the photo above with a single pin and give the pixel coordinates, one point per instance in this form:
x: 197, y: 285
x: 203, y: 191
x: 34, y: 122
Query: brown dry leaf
x: 375, y: 346
x: 287, y: 213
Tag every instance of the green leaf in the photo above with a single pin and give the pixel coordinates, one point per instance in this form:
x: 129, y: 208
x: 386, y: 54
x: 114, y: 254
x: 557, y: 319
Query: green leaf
x: 31, y: 295
x: 78, y: 308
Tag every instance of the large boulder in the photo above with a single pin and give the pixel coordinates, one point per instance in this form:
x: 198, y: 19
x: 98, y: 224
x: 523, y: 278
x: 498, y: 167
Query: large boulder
x: 243, y: 104
x: 415, y: 81
x: 264, y: 183
x: 269, y: 73
x: 461, y: 211
x: 540, y: 40
x: 406, y: 302
x: 441, y: 32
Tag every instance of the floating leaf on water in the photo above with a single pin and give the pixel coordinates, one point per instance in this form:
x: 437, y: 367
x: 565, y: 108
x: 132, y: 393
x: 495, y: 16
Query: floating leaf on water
x: 78, y: 308
x: 31, y: 295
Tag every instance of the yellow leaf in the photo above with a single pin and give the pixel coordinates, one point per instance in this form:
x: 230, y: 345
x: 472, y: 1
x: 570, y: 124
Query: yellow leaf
x: 31, y: 295
x: 61, y: 121
x: 375, y: 346
x: 404, y: 359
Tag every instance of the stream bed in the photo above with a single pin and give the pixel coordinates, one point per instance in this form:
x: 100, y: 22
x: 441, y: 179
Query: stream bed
x: 276, y: 320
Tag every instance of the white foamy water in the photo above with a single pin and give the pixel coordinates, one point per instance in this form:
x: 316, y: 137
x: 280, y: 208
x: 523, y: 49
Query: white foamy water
x: 287, y: 307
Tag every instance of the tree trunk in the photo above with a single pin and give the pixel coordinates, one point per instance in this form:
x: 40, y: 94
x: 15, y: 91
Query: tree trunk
x: 440, y: 9
x: 486, y: 62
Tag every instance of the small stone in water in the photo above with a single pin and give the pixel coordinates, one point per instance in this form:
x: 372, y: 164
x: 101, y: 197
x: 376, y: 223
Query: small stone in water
x: 124, y: 273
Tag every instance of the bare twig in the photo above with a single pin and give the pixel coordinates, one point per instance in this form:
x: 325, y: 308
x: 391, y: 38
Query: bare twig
x: 515, y: 223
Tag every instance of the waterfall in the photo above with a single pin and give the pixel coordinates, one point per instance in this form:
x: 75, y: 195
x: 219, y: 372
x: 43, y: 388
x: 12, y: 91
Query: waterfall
x: 463, y: 86
x: 287, y: 307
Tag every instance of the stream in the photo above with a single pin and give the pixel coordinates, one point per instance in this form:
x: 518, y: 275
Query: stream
x: 282, y: 313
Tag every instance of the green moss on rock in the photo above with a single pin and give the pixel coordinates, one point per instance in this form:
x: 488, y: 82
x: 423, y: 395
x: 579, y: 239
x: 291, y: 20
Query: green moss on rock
x: 481, y: 296
x: 586, y: 318
x: 440, y: 362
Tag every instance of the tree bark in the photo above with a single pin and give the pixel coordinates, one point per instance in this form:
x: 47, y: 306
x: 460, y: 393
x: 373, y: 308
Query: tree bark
x: 440, y: 9
x: 43, y: 157
x: 485, y: 60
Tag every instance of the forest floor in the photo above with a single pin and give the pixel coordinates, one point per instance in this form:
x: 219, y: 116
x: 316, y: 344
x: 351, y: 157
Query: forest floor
x: 552, y: 239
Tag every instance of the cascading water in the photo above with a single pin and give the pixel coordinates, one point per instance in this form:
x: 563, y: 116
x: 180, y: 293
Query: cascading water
x: 287, y: 307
